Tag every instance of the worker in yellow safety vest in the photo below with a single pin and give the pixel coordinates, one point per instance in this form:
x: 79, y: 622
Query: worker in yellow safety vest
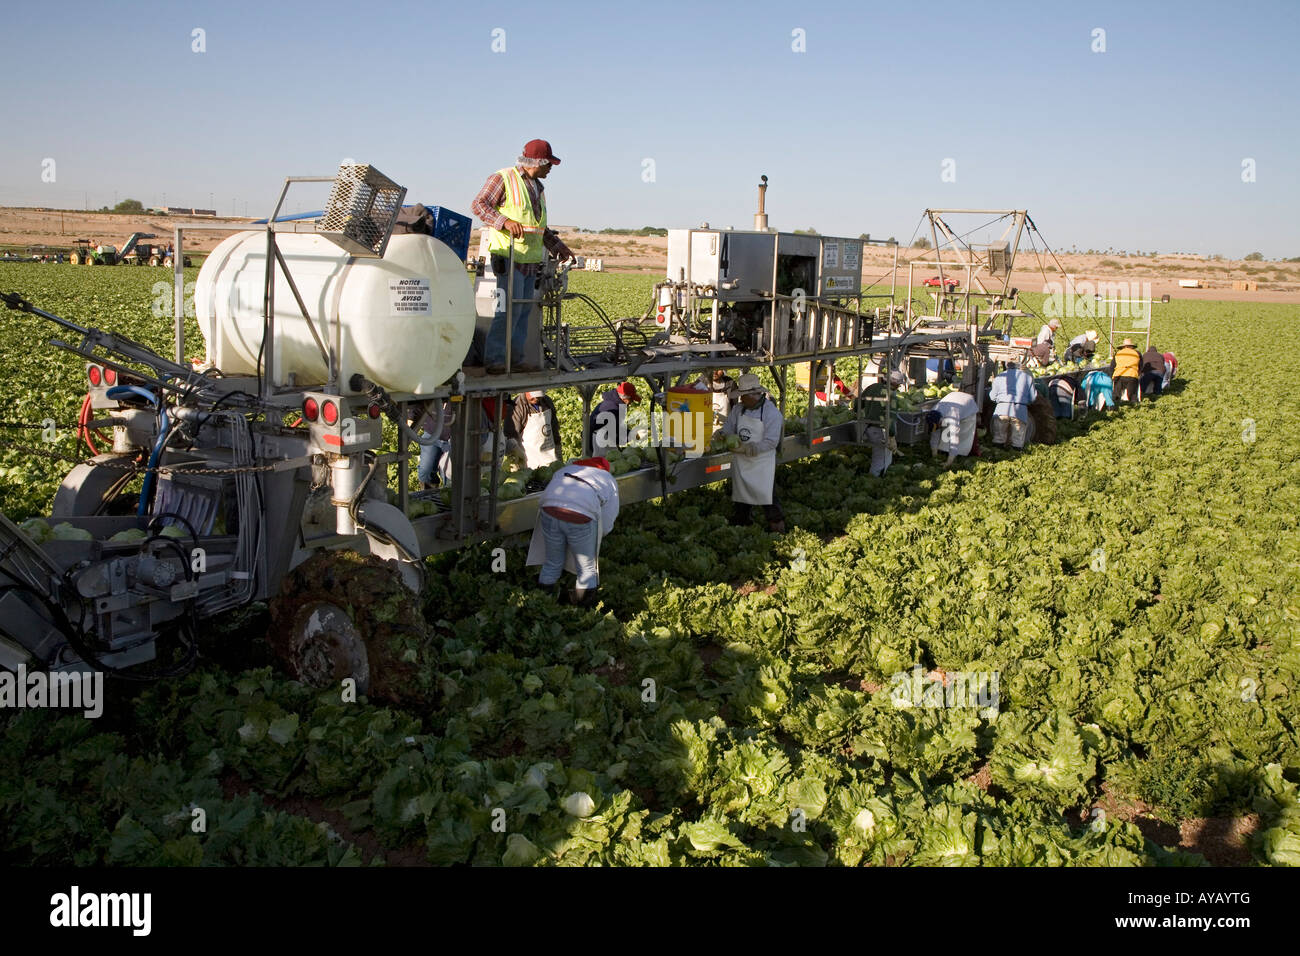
x: 512, y: 204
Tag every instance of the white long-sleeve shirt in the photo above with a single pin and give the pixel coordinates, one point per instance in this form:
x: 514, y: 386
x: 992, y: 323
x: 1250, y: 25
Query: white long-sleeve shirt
x: 589, y: 491
x: 1046, y: 335
x: 957, y: 406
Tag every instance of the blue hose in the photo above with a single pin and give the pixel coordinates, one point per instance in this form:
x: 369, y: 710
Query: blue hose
x: 163, y: 426
x: 119, y: 391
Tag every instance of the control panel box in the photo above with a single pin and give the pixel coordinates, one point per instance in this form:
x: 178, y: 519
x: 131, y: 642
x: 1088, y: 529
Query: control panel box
x: 744, y: 266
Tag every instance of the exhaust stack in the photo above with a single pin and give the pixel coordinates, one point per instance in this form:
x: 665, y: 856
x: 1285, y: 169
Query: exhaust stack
x: 760, y: 217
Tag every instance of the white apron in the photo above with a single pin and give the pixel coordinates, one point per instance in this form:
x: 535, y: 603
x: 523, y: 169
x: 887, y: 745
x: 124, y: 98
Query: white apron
x: 752, y: 478
x: 721, y: 406
x: 538, y: 442
x: 882, y: 450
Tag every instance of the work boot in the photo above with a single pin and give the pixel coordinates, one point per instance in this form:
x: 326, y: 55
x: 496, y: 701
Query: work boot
x: 776, y: 527
x: 497, y: 368
x: 582, y: 597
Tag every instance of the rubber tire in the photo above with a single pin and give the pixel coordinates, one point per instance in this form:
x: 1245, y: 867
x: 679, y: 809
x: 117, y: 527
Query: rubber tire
x: 387, y: 618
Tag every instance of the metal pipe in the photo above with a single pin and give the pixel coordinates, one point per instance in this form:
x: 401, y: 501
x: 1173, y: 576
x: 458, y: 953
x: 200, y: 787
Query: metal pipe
x: 510, y: 303
x: 497, y: 419
x: 403, y: 459
x: 178, y: 297
x: 346, y: 478
x: 325, y: 353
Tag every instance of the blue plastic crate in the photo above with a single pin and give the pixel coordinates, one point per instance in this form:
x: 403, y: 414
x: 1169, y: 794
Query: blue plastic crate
x: 452, y: 228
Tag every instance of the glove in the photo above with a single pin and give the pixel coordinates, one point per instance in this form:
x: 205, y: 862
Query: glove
x: 748, y: 449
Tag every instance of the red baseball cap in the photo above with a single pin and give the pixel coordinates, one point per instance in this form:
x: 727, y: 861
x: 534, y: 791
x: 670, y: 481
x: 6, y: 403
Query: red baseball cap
x: 540, y: 149
x: 593, y: 463
x: 628, y: 391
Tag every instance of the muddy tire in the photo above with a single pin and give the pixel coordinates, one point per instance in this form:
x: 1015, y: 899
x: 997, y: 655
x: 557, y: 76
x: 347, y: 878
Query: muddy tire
x: 340, y: 615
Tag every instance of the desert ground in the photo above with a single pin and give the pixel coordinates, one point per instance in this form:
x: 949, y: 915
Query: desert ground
x: 21, y: 227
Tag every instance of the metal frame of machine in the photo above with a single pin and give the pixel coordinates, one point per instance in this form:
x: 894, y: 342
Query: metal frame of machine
x: 293, y: 492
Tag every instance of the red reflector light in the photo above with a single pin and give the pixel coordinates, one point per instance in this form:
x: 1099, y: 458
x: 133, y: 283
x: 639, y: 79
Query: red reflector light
x: 310, y: 409
x: 329, y: 413
x: 373, y: 410
x: 94, y: 374
x: 110, y: 376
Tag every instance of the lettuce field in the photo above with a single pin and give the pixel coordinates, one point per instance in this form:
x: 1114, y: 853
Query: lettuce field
x: 1081, y: 654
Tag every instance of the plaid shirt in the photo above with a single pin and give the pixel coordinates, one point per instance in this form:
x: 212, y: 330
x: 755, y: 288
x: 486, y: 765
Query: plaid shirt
x: 487, y: 205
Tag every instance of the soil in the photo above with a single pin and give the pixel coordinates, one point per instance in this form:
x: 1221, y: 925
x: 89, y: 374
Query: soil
x: 310, y: 808
x: 1223, y: 841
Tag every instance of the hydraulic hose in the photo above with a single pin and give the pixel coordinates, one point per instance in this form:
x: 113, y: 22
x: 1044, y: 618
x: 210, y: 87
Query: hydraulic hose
x: 147, y: 486
x: 120, y: 391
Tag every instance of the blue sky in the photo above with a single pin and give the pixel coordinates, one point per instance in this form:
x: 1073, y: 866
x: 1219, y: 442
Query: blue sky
x: 1139, y: 147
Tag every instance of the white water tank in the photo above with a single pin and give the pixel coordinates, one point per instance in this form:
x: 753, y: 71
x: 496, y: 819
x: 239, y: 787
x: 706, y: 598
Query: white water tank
x: 405, y: 321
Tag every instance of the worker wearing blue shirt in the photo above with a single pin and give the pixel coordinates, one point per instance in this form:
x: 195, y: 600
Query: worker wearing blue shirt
x: 1012, y: 391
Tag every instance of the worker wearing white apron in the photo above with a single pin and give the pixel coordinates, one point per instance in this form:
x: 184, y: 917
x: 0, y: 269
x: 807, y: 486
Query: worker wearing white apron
x: 533, y: 430
x: 758, y: 423
x: 958, y: 413
x: 577, y: 509
x: 723, y: 387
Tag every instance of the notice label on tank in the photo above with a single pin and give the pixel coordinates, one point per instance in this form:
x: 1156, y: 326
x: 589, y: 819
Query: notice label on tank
x: 831, y: 253
x: 410, y: 296
x: 850, y: 255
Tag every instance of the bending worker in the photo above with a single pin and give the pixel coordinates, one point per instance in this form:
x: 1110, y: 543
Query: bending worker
x: 1126, y: 368
x: 533, y: 429
x: 758, y: 423
x: 1153, y: 372
x: 577, y: 509
x: 512, y: 204
x: 958, y: 412
x: 1082, y: 347
x: 1012, y: 391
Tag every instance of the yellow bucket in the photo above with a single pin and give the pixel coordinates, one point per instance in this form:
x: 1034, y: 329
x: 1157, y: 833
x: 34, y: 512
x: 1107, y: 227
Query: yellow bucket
x: 688, y: 418
x: 803, y: 376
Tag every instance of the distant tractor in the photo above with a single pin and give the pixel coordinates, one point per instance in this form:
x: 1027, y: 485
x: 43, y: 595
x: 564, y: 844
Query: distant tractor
x: 136, y: 252
x: 83, y: 253
x: 157, y: 256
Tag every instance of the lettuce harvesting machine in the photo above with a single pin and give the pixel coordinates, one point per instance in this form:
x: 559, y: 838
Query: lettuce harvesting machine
x: 231, y: 478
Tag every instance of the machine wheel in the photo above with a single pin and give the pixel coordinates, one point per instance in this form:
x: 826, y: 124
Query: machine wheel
x: 341, y: 614
x: 74, y: 259
x: 168, y: 262
x: 89, y: 489
x: 153, y: 260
